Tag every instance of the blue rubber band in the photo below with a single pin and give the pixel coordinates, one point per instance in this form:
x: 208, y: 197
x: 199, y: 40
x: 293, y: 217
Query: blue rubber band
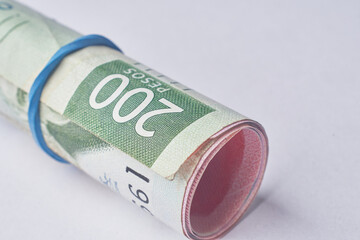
x: 41, y: 79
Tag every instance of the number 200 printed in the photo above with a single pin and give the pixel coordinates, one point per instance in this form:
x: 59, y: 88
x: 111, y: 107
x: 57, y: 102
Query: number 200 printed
x: 139, y: 127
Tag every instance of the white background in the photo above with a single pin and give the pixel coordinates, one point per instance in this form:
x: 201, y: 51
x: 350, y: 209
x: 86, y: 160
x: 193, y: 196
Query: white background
x: 292, y: 65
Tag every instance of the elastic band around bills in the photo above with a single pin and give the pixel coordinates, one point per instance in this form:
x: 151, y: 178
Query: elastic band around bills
x: 41, y: 79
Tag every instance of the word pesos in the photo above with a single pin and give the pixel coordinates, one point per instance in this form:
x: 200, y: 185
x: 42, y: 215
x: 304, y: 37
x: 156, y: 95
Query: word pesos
x: 150, y: 82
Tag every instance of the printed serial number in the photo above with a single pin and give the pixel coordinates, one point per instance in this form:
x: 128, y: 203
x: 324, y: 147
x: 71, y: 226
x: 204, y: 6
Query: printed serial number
x: 139, y: 194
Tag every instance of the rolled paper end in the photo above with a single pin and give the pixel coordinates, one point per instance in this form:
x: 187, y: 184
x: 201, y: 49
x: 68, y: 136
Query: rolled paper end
x: 225, y: 180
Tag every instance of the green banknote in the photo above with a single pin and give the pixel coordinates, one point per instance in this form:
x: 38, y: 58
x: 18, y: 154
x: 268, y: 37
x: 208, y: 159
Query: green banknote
x: 118, y: 120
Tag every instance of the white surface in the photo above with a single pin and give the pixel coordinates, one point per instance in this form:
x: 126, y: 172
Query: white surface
x: 292, y: 65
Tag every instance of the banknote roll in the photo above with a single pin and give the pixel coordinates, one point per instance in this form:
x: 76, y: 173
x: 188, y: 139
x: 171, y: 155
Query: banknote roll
x: 179, y: 156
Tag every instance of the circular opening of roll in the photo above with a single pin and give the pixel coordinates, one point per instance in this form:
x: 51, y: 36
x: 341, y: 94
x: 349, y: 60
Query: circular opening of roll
x: 226, y: 181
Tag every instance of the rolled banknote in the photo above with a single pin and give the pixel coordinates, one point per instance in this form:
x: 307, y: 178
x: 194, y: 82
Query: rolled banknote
x: 180, y: 156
